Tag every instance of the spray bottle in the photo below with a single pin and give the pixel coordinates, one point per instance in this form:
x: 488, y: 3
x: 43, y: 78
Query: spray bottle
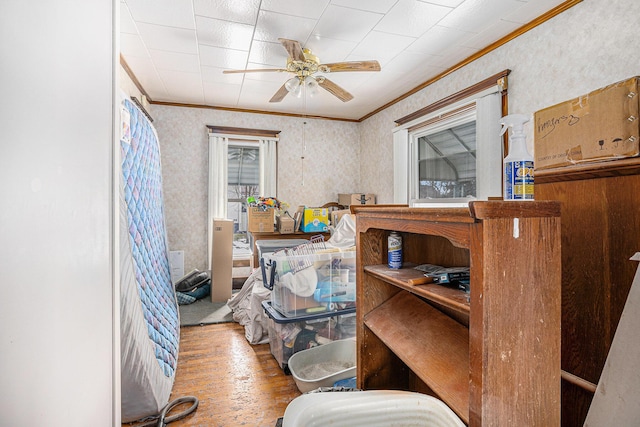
x: 518, y: 165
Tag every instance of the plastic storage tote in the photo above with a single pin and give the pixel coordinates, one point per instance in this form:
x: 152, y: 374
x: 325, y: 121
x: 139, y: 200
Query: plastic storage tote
x: 375, y: 408
x: 320, y: 282
x: 289, y: 335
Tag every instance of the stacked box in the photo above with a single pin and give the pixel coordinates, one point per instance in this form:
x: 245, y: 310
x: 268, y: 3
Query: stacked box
x: 320, y: 282
x: 260, y: 220
x: 315, y: 220
x: 289, y: 335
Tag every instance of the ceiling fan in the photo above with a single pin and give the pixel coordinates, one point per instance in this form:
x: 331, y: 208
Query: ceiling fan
x: 304, y: 65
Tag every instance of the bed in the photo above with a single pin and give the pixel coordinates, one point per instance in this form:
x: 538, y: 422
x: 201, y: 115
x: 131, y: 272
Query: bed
x: 149, y: 317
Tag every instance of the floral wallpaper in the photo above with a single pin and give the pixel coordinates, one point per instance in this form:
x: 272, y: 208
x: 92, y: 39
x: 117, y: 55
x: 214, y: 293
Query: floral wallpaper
x: 587, y: 47
x: 330, y: 166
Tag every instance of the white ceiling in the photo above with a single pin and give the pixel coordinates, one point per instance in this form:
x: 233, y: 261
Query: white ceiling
x: 177, y: 49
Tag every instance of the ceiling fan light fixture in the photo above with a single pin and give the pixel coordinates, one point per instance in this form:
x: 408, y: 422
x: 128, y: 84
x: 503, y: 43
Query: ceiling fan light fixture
x: 293, y: 84
x: 311, y: 85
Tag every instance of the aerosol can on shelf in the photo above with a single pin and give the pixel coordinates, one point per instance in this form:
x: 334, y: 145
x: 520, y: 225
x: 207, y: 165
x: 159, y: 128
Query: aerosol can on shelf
x: 518, y: 165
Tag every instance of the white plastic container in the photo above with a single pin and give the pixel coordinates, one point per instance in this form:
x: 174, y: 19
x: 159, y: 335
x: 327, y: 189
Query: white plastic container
x: 324, y: 365
x: 376, y: 408
x: 518, y: 165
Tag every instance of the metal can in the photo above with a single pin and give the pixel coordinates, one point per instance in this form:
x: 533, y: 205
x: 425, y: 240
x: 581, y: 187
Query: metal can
x: 395, y: 250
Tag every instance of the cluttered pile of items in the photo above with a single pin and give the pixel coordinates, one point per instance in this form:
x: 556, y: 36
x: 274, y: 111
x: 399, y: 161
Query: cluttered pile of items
x: 303, y: 295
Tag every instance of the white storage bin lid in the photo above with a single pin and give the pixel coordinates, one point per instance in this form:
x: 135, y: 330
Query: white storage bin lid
x: 376, y: 408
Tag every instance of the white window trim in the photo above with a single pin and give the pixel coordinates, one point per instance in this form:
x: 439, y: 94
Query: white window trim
x: 487, y: 113
x: 217, y: 191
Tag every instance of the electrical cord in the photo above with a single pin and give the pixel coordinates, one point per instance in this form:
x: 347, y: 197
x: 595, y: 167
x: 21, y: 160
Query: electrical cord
x: 161, y: 420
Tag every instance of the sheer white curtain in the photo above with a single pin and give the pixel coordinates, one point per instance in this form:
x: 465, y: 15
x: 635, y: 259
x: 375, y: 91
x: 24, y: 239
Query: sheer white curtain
x: 218, y: 149
x: 268, y: 167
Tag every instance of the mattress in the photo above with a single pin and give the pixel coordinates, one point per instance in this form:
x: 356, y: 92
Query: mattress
x: 149, y: 315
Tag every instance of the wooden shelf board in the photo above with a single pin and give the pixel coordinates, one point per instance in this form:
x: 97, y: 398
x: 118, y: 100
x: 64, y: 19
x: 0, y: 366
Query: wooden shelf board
x: 446, y: 296
x: 434, y: 346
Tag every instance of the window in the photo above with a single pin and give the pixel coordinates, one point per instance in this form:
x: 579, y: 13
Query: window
x: 447, y: 162
x: 243, y: 181
x: 451, y: 151
x: 242, y: 163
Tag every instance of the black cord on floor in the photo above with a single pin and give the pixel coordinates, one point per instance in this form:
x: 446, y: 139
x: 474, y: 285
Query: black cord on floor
x: 161, y: 420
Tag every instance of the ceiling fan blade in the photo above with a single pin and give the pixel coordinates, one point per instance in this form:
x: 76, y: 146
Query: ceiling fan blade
x: 351, y: 66
x: 293, y: 49
x: 334, y: 89
x: 257, y: 70
x: 279, y: 95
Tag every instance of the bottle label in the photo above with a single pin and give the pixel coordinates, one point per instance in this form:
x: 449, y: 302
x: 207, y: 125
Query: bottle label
x: 395, y: 251
x: 518, y: 180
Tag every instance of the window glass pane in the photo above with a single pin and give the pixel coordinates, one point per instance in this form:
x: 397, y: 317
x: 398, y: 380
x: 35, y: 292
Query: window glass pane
x: 447, y: 163
x: 243, y: 182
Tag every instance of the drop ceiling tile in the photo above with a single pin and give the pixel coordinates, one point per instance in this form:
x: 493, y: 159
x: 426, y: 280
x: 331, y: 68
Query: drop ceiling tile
x: 211, y: 56
x: 216, y: 75
x: 456, y: 54
x: 405, y: 61
x: 335, y: 31
x: 304, y: 8
x: 270, y: 54
x: 411, y: 18
x: 146, y: 73
x: 531, y: 10
x: 474, y: 16
x: 378, y: 6
x: 330, y: 50
x: 272, y: 26
x: 215, y: 32
x: 275, y: 76
x: 438, y: 40
x: 382, y: 46
x: 132, y: 45
x: 168, y: 38
x: 173, y: 13
x: 183, y: 86
x: 493, y: 33
x: 175, y: 61
x: 342, y: 23
x: 221, y: 94
x: 448, y: 3
x: 244, y: 12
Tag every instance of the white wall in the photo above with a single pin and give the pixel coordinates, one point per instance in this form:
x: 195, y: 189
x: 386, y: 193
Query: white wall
x: 56, y: 311
x: 589, y: 46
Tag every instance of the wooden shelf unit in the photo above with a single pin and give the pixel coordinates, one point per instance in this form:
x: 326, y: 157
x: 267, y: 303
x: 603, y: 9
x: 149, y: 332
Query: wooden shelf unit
x: 492, y: 355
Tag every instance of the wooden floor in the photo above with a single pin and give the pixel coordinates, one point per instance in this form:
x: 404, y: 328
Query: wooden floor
x: 237, y: 384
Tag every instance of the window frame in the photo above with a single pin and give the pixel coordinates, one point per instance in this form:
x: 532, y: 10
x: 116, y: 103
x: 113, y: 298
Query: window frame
x: 442, y: 113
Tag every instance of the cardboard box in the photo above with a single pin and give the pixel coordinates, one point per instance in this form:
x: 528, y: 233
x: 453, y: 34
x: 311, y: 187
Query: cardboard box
x: 315, y: 219
x: 602, y: 125
x: 357, y: 199
x: 221, y: 260
x: 284, y: 224
x: 259, y: 220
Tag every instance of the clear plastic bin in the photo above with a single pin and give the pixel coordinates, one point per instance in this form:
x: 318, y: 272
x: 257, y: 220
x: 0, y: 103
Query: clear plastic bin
x: 314, y: 283
x: 289, y: 335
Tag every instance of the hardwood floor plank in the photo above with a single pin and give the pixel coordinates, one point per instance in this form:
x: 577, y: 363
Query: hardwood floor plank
x: 237, y: 384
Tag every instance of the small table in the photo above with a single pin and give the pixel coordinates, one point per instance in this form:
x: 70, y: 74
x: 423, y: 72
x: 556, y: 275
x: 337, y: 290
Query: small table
x: 255, y: 236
